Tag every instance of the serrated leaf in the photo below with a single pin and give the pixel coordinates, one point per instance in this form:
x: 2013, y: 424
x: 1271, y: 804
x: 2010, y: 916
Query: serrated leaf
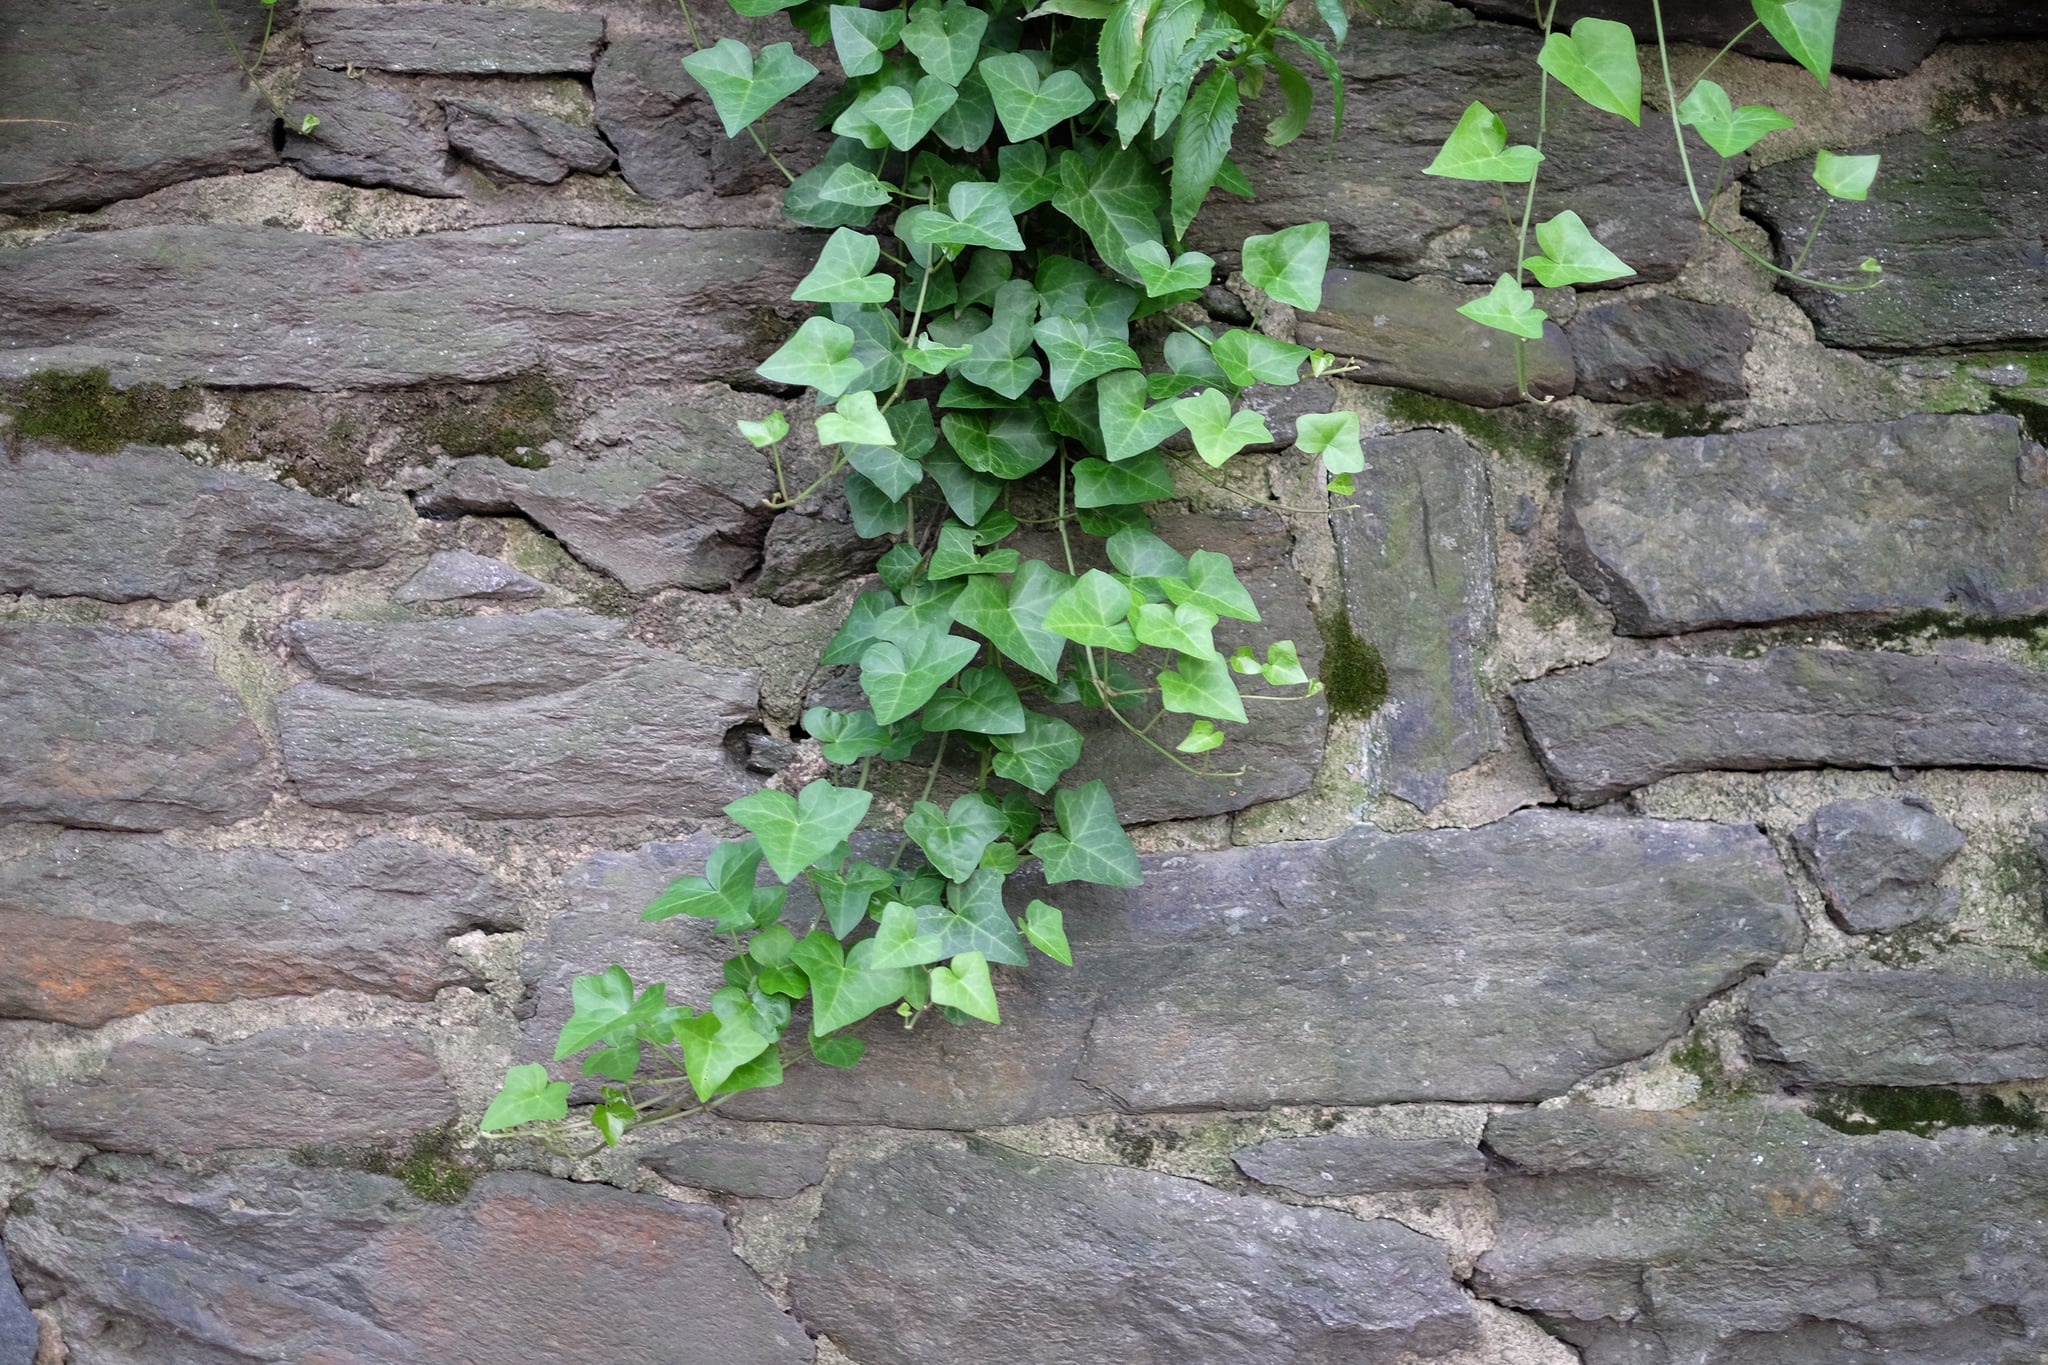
x: 1089, y: 845
x: 1728, y: 130
x: 1184, y: 630
x: 1477, y: 150
x: 954, y: 838
x: 1074, y: 356
x: 1203, y: 141
x: 794, y: 833
x: 1037, y: 755
x: 946, y: 38
x: 1218, y: 432
x: 1013, y: 619
x: 1571, y: 255
x: 1250, y: 358
x: 1098, y: 483
x: 1597, y: 62
x: 977, y: 214
x: 1334, y: 436
x: 1046, y: 927
x: 1212, y: 585
x: 841, y: 274
x: 892, y: 116
x: 1845, y: 177
x: 1129, y: 428
x: 1092, y: 613
x: 1026, y: 105
x: 742, y: 86
x: 1805, y: 29
x: 820, y: 356
x: 846, y: 987
x: 982, y: 701
x: 965, y: 986
x: 1509, y: 308
x: 860, y: 37
x: 1290, y: 264
x: 527, y: 1096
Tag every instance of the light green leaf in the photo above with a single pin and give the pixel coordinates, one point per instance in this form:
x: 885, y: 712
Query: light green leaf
x: 1091, y: 613
x: 846, y: 895
x: 1100, y: 484
x: 846, y: 987
x: 945, y: 39
x: 1805, y: 29
x: 978, y: 924
x: 1075, y: 357
x: 604, y: 1005
x: 1477, y: 150
x: 1089, y: 846
x: 796, y: 833
x: 1597, y: 62
x: 1129, y: 428
x: 725, y: 891
x: 1212, y: 585
x: 1206, y: 127
x: 528, y: 1096
x: 898, y: 942
x: 1189, y: 270
x: 1507, y: 307
x: 1334, y: 436
x: 1571, y: 255
x: 1289, y: 265
x: 855, y: 420
x: 861, y: 36
x: 1015, y: 623
x: 820, y: 356
x: 978, y: 214
x: 804, y: 201
x: 844, y: 736
x: 1115, y: 198
x: 1026, y: 105
x: 982, y: 702
x: 891, y: 116
x: 1202, y: 736
x: 1250, y: 358
x: 965, y: 986
x: 718, y: 1043
x: 1140, y: 554
x: 1201, y: 686
x: 841, y: 274
x: 954, y: 838
x: 1046, y: 927
x: 766, y: 432
x: 742, y: 86
x: 899, y: 679
x: 1845, y: 177
x: 851, y: 184
x: 1036, y: 756
x: 1185, y: 630
x: 1728, y: 130
x: 1218, y: 432
x: 954, y: 556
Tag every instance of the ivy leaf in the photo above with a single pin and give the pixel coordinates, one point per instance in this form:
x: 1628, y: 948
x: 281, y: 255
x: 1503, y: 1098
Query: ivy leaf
x: 855, y: 420
x: 1075, y: 357
x: 1334, y: 436
x: 804, y: 201
x: 1099, y: 305
x: 1026, y: 105
x: 858, y: 631
x: 1571, y: 255
x: 1845, y: 177
x: 1189, y: 270
x: 983, y: 702
x: 1129, y: 428
x: 899, y: 679
x: 978, y: 214
x: 1008, y: 444
x: 1022, y: 175
x: 844, y: 736
x: 954, y: 838
x: 846, y: 987
x: 1089, y: 846
x: 1138, y: 553
x: 1250, y: 358
x: 969, y: 493
x: 1728, y: 130
x: 1206, y: 126
x: 965, y: 986
x: 945, y: 39
x: 1202, y: 736
x: 1115, y: 198
x: 892, y: 116
x: 795, y: 833
x: 842, y: 1053
x: 1507, y: 307
x: 528, y: 1096
x: 847, y: 895
x: 1185, y: 630
x: 725, y: 891
x: 978, y: 923
x: 954, y: 556
x: 820, y: 356
x: 1289, y: 265
x: 1099, y: 484
x: 1283, y: 665
x: 742, y: 86
x: 861, y: 36
x: 1036, y: 755
x: 1046, y: 927
x: 1805, y: 29
x: 1014, y: 622
x: 604, y: 1005
x: 851, y: 184
x: 1201, y: 686
x: 716, y: 1044
x: 766, y: 432
x: 1212, y: 585
x: 841, y: 274
x: 1218, y: 432
x: 966, y: 126
x: 1091, y: 613
x: 1477, y: 150
x: 1597, y: 62
x: 898, y: 942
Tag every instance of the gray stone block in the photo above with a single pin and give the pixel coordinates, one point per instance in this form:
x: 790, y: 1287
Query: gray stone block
x: 1875, y: 861
x: 1413, y: 337
x: 20, y: 1334
x: 1901, y: 1028
x: 807, y: 559
x: 1354, y: 1163
x: 461, y: 576
x: 366, y: 135
x: 1635, y: 350
x: 512, y: 145
x: 466, y: 40
x: 743, y: 1164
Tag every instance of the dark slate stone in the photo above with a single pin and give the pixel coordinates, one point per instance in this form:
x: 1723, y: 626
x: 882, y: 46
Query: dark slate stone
x: 807, y: 559
x: 367, y: 135
x: 307, y: 311
x: 1635, y: 350
x: 1415, y: 338
x: 111, y: 924
x: 1605, y: 730
x: 466, y: 40
x: 511, y: 145
x: 290, y: 1263
x: 148, y: 523
x: 1064, y: 1261
x: 115, y: 729
x: 286, y: 1087
x: 1756, y: 1236
x: 1901, y: 1028
x: 20, y: 1334
x: 1955, y: 218
x: 460, y: 576
x: 78, y: 92
x: 1352, y: 1163
x: 1875, y: 861
x: 1867, y: 519
x: 1417, y: 566
x: 550, y: 713
x: 1502, y: 964
x: 761, y: 1168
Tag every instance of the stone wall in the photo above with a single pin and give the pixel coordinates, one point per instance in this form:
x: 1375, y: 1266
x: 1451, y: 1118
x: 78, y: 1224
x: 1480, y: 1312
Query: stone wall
x: 1641, y: 958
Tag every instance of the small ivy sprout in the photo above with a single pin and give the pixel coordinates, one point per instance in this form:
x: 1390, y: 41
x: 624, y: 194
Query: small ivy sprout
x: 310, y: 121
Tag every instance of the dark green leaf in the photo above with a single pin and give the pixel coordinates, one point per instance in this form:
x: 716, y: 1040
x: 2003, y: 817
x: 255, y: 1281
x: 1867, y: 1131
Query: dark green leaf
x: 982, y: 701
x: 945, y: 38
x: 899, y: 679
x: 1206, y: 126
x: 846, y: 987
x: 1092, y: 612
x: 861, y: 36
x: 953, y: 839
x: 1100, y: 484
x: 1015, y: 623
x: 1027, y: 105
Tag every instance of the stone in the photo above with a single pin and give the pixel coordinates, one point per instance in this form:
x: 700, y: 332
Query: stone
x: 20, y: 1334
x: 106, y: 925
x: 756, y: 1168
x: 1414, y: 337
x: 116, y: 729
x: 285, y: 1087
x: 807, y: 559
x: 1901, y: 1028
x: 1757, y: 1236
x: 318, y: 1265
x: 1876, y: 861
x: 1854, y: 519
x: 536, y: 148
x: 366, y: 135
x: 144, y: 96
x: 327, y: 313
x: 148, y: 523
x: 1356, y: 1163
x: 1955, y: 218
x: 1062, y: 1261
x: 1417, y: 567
x: 1496, y: 965
x: 1604, y: 730
x: 463, y: 576
x: 550, y: 713
x: 1636, y: 350
x: 454, y: 40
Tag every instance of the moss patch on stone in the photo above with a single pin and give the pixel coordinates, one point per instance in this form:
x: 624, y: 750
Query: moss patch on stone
x: 1920, y: 1110
x: 433, y: 1165
x: 83, y: 409
x: 1353, y: 673
x: 1532, y: 434
x: 510, y: 421
x: 1672, y: 419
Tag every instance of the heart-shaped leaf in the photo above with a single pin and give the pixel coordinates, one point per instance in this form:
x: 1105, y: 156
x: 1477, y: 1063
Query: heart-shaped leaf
x: 1026, y: 105
x: 528, y: 1096
x: 1218, y: 432
x: 796, y: 832
x: 1728, y: 130
x: 977, y: 214
x: 1140, y: 554
x: 856, y: 185
x: 954, y: 838
x: 1075, y: 357
x: 1477, y: 149
x: 1098, y: 483
x: 1805, y: 29
x: 605, y: 1006
x: 982, y: 701
x: 1189, y: 270
x: 1290, y: 264
x: 1013, y: 619
x: 1092, y: 613
x: 846, y: 987
x: 1007, y: 445
x: 955, y: 557
x: 1212, y: 585
x: 820, y: 356
x: 899, y: 679
x: 855, y: 420
x: 1334, y: 436
x: 1597, y: 62
x: 898, y: 942
x: 1508, y: 307
x: 860, y: 37
x: 1046, y: 927
x: 718, y: 1043
x: 1037, y: 755
x: 1201, y: 737
x: 1089, y: 846
x: 1115, y: 198
x: 1129, y: 428
x: 841, y: 274
x: 1201, y: 685
x: 1185, y: 630
x: 1845, y: 177
x: 945, y: 38
x: 1571, y: 255
x: 742, y: 86
x: 1023, y: 176
x: 892, y: 116
x: 766, y: 432
x: 978, y: 922
x: 1250, y: 358
x: 724, y: 892
x: 846, y: 895
x: 965, y: 986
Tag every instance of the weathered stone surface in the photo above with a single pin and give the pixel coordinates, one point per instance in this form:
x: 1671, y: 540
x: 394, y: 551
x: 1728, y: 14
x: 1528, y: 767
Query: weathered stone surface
x: 1760, y: 1237
x: 1957, y: 221
x: 115, y: 729
x: 755, y: 1167
x: 320, y: 1265
x: 461, y: 576
x: 297, y: 309
x: 1414, y: 337
x: 1062, y: 1261
x: 19, y: 1332
x: 76, y: 139
x: 367, y: 135
x: 1875, y: 861
x: 1867, y: 519
x: 286, y: 1087
x: 148, y: 523
x: 1353, y: 1163
x: 1635, y: 350
x: 536, y: 148
x: 807, y: 559
x: 1901, y: 1028
x: 550, y: 713
x: 1625, y: 723
x: 104, y: 925
x: 467, y: 40
x: 1499, y: 964
x: 1417, y: 565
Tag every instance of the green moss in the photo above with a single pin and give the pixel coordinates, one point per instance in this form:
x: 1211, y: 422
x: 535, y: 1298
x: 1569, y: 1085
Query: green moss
x: 511, y: 421
x: 1552, y: 596
x: 1978, y: 99
x: 1672, y: 419
x: 1699, y: 1057
x: 83, y: 410
x: 1530, y: 433
x: 2031, y: 409
x: 1354, y: 676
x: 1921, y: 627
x: 1920, y: 1110
x: 433, y: 1166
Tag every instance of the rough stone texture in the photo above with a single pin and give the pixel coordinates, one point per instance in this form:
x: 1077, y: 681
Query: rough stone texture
x: 114, y: 729
x: 1353, y: 1163
x: 807, y: 559
x: 1500, y: 964
x: 19, y: 1332
x: 512, y: 145
x: 461, y: 576
x: 550, y: 713
x: 104, y: 925
x: 1414, y: 337
x: 1875, y: 861
x: 286, y: 1087
x: 466, y: 40
x: 1957, y: 220
x: 367, y: 135
x: 926, y: 1257
x: 288, y: 1263
x: 1660, y: 348
x: 743, y: 1165
x: 148, y: 523
x: 1901, y: 1028
x: 1417, y: 566
x: 1760, y: 1237
x: 326, y: 313
x: 75, y: 90
x: 1866, y: 519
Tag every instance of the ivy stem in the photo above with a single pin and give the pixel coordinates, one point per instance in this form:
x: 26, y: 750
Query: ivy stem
x: 781, y: 485
x: 1671, y: 104
x: 916, y: 320
x: 815, y: 484
x: 1728, y: 48
x: 235, y: 50
x: 768, y: 152
x: 1813, y: 234
x: 1193, y: 468
x: 691, y: 24
x: 1529, y: 200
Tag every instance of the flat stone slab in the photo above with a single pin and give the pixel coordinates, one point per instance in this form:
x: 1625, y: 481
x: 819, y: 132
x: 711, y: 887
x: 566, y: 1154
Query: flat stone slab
x: 104, y: 925
x: 1356, y: 1163
x: 116, y: 729
x: 462, y: 576
x: 754, y: 1167
x: 327, y: 313
x: 454, y: 40
x: 303, y: 1264
x: 1858, y: 519
x: 514, y: 145
x: 1668, y: 348
x: 1752, y: 1235
x: 1607, y: 729
x: 367, y: 135
x: 550, y: 713
x: 1901, y: 1028
x: 1876, y: 861
x: 148, y: 523
x: 20, y: 1334
x: 1413, y: 337
x: 1063, y: 1261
